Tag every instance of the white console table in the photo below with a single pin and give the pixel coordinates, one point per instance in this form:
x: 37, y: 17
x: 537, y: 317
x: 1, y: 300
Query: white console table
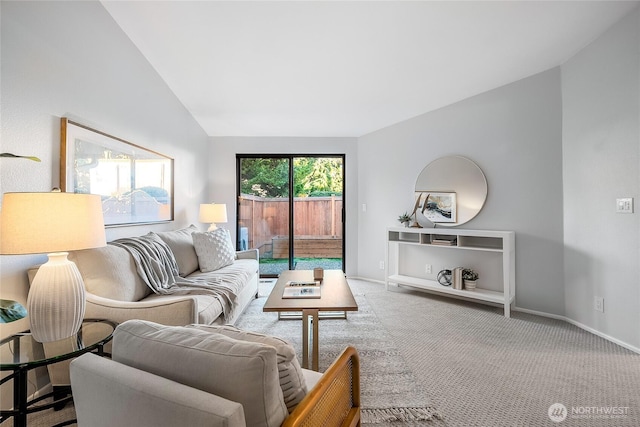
x: 414, y: 260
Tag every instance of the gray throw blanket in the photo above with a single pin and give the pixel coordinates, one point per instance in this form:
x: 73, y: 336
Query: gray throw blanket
x: 157, y: 267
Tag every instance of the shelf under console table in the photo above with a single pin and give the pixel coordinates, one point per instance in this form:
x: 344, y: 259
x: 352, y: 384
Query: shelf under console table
x: 416, y: 255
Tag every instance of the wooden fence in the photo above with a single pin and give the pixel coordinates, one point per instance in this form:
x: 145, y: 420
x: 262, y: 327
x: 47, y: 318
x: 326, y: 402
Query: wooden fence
x: 315, y: 218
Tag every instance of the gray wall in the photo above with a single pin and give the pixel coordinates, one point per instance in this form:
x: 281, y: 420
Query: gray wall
x: 71, y: 59
x: 601, y: 138
x: 514, y: 134
x: 222, y: 174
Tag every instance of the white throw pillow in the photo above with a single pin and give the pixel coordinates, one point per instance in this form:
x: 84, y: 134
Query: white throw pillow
x: 181, y: 245
x: 292, y: 381
x: 214, y: 249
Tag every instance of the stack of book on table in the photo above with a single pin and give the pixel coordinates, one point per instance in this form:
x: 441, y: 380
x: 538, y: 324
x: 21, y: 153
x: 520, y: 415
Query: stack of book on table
x: 293, y: 289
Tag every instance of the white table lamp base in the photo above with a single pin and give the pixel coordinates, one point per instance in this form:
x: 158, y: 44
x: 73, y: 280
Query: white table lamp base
x: 56, y: 301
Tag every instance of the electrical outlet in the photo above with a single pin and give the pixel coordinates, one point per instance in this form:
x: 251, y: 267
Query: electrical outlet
x: 427, y: 268
x: 381, y: 265
x: 624, y: 205
x: 598, y: 304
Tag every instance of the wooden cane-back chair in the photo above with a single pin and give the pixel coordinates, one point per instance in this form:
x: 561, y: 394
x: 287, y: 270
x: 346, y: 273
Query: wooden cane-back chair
x: 335, y: 400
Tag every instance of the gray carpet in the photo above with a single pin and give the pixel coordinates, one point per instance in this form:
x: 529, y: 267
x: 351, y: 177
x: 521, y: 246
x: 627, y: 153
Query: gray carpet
x: 481, y: 369
x: 389, y: 389
x: 48, y: 417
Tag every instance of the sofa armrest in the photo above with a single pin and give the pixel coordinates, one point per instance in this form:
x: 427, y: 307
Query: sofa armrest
x: 108, y: 393
x: 335, y: 400
x: 248, y: 254
x: 173, y: 311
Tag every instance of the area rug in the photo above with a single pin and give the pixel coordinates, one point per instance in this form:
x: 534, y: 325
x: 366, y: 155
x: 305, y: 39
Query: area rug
x: 389, y: 391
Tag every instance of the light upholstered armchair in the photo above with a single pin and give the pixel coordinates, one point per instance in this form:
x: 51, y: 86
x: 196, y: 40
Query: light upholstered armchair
x: 210, y: 376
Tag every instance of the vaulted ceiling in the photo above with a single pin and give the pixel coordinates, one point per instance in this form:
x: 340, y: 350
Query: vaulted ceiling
x: 347, y: 68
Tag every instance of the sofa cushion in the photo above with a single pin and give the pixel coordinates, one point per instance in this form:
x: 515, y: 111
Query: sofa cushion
x: 209, y: 307
x: 292, y: 380
x: 110, y: 272
x: 181, y: 244
x: 241, y: 371
x: 214, y: 249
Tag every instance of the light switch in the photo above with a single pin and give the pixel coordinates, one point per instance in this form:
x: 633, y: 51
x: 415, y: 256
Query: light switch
x: 624, y: 205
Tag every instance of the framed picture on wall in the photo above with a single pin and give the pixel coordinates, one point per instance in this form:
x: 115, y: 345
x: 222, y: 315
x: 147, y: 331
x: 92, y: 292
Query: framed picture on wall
x: 437, y: 207
x: 135, y: 184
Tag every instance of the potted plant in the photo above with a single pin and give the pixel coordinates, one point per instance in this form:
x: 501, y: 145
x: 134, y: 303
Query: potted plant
x: 469, y: 276
x: 404, y: 219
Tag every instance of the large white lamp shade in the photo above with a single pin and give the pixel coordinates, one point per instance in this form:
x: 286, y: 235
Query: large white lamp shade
x: 213, y: 213
x: 53, y: 223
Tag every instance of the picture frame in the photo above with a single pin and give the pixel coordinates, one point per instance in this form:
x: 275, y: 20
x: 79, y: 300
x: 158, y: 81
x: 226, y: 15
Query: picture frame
x: 135, y: 184
x: 437, y: 206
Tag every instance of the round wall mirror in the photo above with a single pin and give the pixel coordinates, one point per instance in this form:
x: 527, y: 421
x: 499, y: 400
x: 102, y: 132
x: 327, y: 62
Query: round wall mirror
x: 452, y: 191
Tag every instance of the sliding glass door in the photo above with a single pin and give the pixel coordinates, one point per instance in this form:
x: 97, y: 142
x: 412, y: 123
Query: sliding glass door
x: 291, y: 209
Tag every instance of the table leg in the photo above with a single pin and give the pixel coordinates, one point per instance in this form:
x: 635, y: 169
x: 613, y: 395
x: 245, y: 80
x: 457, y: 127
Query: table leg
x: 310, y: 315
x: 20, y: 398
x: 315, y: 351
x: 305, y: 338
x: 59, y: 393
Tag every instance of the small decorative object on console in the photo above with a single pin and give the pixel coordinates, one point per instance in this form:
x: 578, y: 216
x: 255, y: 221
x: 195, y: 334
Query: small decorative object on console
x: 404, y: 219
x: 456, y: 278
x: 415, y: 211
x: 444, y: 277
x: 440, y: 207
x: 469, y: 276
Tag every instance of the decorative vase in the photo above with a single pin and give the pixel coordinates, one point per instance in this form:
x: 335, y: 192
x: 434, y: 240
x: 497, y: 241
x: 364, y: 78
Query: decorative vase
x: 469, y: 284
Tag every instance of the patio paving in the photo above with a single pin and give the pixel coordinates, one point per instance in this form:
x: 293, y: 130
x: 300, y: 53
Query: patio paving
x: 270, y: 269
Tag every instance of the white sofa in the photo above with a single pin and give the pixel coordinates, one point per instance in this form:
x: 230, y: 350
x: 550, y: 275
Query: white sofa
x: 116, y: 292
x: 210, y: 376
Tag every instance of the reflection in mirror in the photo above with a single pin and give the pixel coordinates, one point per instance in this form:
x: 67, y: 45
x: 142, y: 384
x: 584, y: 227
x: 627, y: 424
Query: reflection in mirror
x: 457, y: 190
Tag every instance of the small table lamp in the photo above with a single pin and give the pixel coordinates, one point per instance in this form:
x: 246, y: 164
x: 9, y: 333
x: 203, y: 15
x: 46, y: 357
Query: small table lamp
x: 53, y: 222
x: 212, y: 213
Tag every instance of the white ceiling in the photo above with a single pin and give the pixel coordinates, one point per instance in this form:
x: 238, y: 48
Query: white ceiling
x: 347, y: 68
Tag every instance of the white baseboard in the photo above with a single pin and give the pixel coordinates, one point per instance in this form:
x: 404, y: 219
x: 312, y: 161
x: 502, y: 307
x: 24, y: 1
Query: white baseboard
x: 605, y: 336
x: 366, y: 279
x: 540, y: 313
x: 581, y: 326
